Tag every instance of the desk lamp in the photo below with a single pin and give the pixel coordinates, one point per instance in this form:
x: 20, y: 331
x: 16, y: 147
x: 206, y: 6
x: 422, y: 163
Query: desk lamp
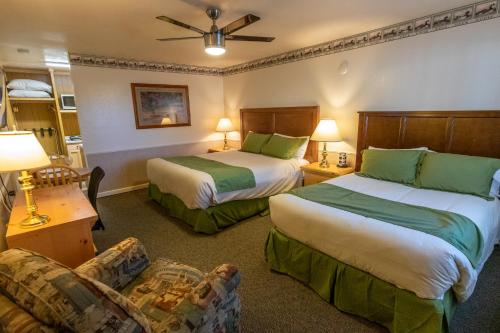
x: 21, y: 151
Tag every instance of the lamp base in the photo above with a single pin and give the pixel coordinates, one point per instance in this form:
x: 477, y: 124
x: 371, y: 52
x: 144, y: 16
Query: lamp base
x: 34, y: 221
x: 226, y: 146
x: 324, y: 162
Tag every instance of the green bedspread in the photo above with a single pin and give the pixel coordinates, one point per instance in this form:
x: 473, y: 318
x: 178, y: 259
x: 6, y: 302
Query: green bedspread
x: 227, y: 178
x: 454, y: 228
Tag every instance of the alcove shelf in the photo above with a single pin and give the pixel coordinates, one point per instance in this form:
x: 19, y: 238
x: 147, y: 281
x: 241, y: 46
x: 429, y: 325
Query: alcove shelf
x: 37, y: 113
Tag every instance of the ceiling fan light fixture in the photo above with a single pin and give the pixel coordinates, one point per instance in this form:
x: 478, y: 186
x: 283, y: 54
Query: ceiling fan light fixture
x: 214, y: 43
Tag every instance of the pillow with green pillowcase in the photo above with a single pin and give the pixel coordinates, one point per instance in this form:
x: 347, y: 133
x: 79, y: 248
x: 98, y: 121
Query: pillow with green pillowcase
x: 394, y: 165
x: 254, y: 142
x: 458, y: 173
x: 283, y: 147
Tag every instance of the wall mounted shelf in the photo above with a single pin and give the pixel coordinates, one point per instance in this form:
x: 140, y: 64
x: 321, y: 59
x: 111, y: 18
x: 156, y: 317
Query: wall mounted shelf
x: 31, y: 100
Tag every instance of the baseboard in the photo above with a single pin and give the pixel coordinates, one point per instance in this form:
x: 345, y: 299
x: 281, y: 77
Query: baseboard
x: 122, y: 190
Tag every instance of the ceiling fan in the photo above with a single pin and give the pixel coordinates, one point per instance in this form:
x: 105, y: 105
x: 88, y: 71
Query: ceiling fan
x: 215, y: 38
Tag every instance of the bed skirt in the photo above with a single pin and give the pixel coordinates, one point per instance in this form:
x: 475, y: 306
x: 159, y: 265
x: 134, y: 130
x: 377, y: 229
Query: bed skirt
x: 213, y: 219
x: 354, y: 291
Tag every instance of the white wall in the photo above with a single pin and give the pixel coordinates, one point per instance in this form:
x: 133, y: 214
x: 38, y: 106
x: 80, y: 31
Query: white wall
x: 452, y: 69
x: 106, y: 112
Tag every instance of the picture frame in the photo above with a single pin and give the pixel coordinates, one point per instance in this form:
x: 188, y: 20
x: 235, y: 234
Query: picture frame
x: 160, y: 105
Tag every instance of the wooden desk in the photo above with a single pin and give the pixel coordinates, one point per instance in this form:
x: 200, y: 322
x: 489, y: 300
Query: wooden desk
x: 67, y: 237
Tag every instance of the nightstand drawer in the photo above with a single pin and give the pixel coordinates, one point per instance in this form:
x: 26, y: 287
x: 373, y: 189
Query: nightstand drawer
x: 311, y: 178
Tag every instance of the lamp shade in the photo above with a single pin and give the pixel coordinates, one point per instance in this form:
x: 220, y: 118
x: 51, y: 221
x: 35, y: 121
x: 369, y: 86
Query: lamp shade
x: 326, y: 131
x: 20, y: 150
x: 224, y: 125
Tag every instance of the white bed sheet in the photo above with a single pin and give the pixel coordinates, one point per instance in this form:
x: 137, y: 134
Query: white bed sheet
x: 409, y: 259
x: 197, y: 189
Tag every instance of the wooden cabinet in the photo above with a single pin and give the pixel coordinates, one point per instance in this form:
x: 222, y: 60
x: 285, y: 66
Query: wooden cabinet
x: 313, y: 174
x: 67, y: 237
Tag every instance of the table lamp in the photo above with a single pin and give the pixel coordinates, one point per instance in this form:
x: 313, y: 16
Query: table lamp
x: 326, y: 131
x: 225, y: 125
x: 21, y: 151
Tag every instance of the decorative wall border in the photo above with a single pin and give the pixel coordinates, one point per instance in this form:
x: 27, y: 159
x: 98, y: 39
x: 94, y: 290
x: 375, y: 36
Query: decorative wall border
x: 473, y: 13
x: 120, y: 63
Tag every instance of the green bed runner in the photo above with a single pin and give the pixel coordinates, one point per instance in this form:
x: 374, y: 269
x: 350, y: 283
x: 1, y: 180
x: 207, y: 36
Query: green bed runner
x: 227, y: 178
x: 357, y: 292
x: 455, y: 229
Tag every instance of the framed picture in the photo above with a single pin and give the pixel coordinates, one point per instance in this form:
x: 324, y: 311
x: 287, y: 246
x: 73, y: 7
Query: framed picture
x: 160, y: 105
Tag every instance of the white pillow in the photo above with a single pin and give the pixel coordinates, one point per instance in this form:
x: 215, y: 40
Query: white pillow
x: 28, y: 93
x: 418, y: 148
x: 495, y: 185
x: 301, y: 152
x: 26, y: 84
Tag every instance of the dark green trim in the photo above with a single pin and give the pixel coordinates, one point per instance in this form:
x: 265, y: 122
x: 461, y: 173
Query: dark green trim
x: 213, y: 219
x: 357, y: 292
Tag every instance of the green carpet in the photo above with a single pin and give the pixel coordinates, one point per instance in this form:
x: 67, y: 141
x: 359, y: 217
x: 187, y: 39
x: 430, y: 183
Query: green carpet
x: 270, y: 302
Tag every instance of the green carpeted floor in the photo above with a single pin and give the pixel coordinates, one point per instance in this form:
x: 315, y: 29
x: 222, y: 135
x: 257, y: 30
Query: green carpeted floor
x: 271, y: 302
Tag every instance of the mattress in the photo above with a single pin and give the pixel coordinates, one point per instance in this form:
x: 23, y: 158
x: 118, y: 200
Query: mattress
x: 407, y: 258
x: 197, y: 189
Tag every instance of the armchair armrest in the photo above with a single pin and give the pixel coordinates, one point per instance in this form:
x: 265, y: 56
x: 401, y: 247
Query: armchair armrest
x: 221, y: 283
x: 118, y: 265
x: 13, y: 319
x: 224, y: 276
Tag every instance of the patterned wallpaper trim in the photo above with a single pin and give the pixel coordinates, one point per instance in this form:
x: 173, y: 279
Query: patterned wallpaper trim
x: 473, y: 13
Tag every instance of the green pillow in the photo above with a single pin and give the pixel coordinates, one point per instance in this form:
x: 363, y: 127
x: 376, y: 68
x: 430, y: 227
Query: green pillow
x: 254, y: 141
x: 458, y: 173
x: 393, y: 165
x: 283, y: 147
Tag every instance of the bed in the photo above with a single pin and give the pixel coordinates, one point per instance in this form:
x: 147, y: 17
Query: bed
x: 404, y: 279
x: 194, y: 197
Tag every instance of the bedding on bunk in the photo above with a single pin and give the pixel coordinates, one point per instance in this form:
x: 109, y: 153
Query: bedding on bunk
x: 410, y: 259
x: 198, y: 189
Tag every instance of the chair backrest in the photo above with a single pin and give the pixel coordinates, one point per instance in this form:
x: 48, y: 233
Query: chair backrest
x: 96, y: 176
x: 55, y: 175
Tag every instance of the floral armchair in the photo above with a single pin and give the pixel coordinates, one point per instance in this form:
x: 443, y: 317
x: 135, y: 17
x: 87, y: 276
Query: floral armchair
x: 117, y: 291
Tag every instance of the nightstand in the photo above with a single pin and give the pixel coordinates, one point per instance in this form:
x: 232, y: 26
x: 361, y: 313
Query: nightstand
x: 313, y: 174
x: 220, y: 150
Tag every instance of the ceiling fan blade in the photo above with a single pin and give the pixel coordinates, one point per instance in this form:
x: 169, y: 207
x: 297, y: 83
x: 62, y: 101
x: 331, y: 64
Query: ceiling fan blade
x: 240, y: 23
x: 249, y: 38
x: 177, y: 38
x: 180, y: 24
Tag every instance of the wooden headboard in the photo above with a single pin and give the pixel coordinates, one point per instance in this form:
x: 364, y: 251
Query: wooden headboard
x: 474, y: 133
x: 293, y: 121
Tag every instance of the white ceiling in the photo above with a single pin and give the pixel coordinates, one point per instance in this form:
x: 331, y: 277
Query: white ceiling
x: 128, y: 29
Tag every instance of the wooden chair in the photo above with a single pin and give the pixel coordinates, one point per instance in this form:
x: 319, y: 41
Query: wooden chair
x: 55, y: 175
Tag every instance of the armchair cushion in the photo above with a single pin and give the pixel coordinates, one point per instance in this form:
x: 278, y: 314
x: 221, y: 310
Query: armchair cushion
x: 177, y: 297
x: 61, y: 298
x: 118, y: 265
